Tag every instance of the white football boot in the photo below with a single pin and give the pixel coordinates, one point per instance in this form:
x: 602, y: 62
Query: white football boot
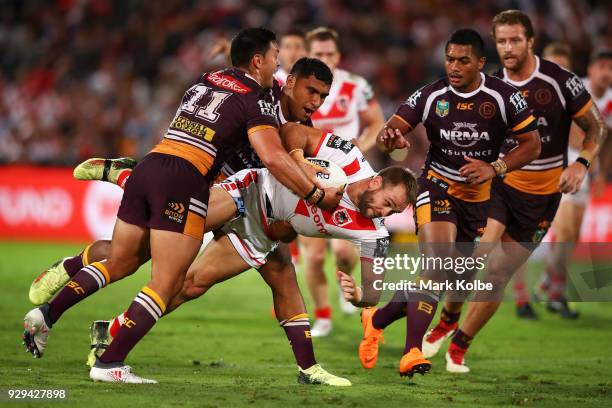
x: 321, y: 328
x: 120, y: 374
x: 317, y: 375
x: 36, y: 331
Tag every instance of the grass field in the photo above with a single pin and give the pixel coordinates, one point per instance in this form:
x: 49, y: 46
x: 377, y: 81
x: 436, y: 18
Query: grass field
x: 224, y: 350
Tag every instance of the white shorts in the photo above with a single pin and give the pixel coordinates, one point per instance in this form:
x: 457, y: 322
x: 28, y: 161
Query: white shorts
x: 247, y: 231
x: 582, y: 196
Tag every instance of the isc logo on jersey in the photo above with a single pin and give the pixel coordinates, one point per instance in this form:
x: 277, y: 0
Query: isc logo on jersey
x: 464, y: 134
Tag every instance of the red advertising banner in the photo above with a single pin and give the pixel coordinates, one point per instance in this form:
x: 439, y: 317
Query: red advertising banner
x: 43, y: 203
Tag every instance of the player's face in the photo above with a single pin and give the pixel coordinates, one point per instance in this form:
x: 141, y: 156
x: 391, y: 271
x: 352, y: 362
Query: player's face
x: 269, y: 65
x: 306, y: 94
x: 382, y: 201
x: 512, y: 45
x: 462, y: 67
x: 600, y: 73
x: 327, y: 52
x: 560, y: 60
x: 292, y: 48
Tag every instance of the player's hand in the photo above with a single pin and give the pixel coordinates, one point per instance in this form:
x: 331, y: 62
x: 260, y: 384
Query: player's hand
x: 598, y: 185
x: 351, y: 292
x: 389, y: 140
x: 281, y: 230
x: 476, y: 171
x: 332, y: 198
x: 571, y: 178
x: 220, y: 47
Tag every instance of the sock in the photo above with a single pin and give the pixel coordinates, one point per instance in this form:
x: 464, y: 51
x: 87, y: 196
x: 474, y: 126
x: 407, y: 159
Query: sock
x: 323, y: 313
x: 116, y: 323
x: 122, y: 178
x: 84, y: 283
x: 449, y: 318
x: 76, y: 263
x: 556, y: 289
x: 140, y: 317
x: 521, y: 294
x: 297, y: 330
x: 419, y: 315
x: 461, y: 340
x: 386, y: 315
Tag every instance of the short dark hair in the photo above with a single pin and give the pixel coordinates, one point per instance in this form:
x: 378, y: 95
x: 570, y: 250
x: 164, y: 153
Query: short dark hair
x: 322, y: 34
x: 558, y: 49
x: 295, y: 32
x: 467, y: 36
x: 249, y: 42
x: 304, y: 67
x: 599, y: 54
x: 511, y: 17
x: 394, y: 175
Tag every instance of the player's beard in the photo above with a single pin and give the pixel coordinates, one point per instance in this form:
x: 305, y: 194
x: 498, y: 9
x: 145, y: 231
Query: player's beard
x: 367, y: 198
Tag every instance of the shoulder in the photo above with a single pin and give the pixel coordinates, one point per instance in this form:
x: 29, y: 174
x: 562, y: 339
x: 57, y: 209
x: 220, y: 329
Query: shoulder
x: 423, y: 93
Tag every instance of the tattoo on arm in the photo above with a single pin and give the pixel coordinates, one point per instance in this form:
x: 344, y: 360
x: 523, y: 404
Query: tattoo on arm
x: 593, y: 126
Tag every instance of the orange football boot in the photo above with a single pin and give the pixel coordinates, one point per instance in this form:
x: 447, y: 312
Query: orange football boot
x: 414, y: 362
x: 368, y: 348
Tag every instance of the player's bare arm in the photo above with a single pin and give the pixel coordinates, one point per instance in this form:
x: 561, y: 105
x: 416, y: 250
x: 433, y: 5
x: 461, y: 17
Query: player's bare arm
x: 267, y: 144
x: 392, y: 135
x: 595, y: 134
x: 372, y: 120
x: 528, y: 149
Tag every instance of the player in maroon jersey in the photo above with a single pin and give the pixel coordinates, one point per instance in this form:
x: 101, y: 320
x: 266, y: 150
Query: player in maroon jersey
x: 523, y: 203
x: 164, y: 207
x: 467, y: 116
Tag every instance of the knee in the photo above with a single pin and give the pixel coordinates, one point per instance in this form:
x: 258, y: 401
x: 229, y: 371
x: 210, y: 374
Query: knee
x: 345, y: 257
x: 316, y: 258
x: 194, y: 288
x: 98, y: 251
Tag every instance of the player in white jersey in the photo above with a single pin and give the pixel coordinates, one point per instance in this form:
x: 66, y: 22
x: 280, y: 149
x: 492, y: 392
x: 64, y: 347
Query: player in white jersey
x: 292, y: 47
x: 267, y: 212
x: 567, y: 223
x: 350, y: 106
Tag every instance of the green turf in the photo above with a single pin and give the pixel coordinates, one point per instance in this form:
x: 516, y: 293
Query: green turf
x: 224, y: 350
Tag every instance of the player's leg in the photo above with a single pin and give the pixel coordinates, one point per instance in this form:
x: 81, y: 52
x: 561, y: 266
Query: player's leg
x: 347, y: 256
x: 57, y: 275
x: 503, y: 260
x: 520, y: 290
x: 279, y: 274
x: 172, y: 253
x: 129, y: 243
x: 314, y: 260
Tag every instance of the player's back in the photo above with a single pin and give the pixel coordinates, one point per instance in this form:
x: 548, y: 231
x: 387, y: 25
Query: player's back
x: 215, y: 116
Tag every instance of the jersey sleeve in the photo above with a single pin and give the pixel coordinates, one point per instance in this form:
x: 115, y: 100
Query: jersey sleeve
x: 411, y: 111
x: 374, y: 247
x: 519, y: 114
x: 260, y: 112
x: 346, y: 155
x: 365, y: 96
x: 577, y: 98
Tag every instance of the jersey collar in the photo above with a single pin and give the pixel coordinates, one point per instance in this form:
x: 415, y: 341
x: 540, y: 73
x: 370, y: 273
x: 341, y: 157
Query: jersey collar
x: 469, y: 94
x: 524, y: 82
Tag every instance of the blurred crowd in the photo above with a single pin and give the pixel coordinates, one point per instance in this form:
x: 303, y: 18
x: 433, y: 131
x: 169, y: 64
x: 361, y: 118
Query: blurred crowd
x: 80, y: 78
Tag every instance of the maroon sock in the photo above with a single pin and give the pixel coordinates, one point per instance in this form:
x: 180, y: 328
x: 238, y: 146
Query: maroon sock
x: 140, y: 317
x: 461, y: 340
x: 84, y: 283
x: 297, y: 330
x: 448, y: 317
x: 386, y: 315
x: 419, y: 315
x: 73, y: 265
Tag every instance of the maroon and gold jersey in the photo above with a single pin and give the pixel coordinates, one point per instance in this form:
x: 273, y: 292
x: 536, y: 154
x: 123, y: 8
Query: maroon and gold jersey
x: 246, y: 157
x: 471, y: 124
x: 556, y: 96
x: 215, y: 117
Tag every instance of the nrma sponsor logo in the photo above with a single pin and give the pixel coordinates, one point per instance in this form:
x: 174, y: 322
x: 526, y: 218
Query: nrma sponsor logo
x: 464, y: 134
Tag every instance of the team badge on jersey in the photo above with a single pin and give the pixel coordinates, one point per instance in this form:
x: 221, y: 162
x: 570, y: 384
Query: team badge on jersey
x: 341, y: 217
x: 442, y: 107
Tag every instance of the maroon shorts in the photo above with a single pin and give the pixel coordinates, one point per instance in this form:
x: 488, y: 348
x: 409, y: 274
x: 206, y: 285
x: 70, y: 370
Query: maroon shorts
x: 435, y: 204
x: 167, y: 193
x: 527, y: 217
